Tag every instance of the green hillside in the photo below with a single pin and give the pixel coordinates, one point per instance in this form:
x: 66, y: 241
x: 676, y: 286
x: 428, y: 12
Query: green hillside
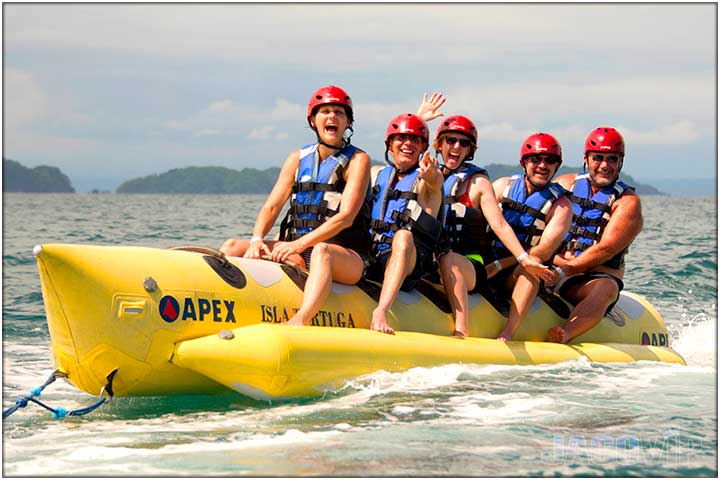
x: 42, y: 179
x: 221, y: 180
x: 216, y: 180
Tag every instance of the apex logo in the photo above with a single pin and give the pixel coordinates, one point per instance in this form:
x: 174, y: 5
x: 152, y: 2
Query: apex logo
x: 215, y: 310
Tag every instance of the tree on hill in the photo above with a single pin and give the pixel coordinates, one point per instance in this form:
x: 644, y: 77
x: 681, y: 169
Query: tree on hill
x: 209, y: 180
x: 497, y: 170
x: 221, y: 180
x: 42, y: 179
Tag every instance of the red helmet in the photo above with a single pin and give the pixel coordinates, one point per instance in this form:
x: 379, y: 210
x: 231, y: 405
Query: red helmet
x: 410, y: 124
x: 330, y: 94
x: 458, y: 123
x: 540, y: 144
x: 605, y: 139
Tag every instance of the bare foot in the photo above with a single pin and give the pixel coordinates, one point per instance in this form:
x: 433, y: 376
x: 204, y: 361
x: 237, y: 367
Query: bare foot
x: 557, y: 335
x: 504, y: 336
x: 295, y: 321
x: 379, y: 323
x: 459, y: 334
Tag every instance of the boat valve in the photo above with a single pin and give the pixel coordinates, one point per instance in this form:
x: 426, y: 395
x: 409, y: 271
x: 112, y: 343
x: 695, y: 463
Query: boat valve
x: 150, y: 284
x: 226, y: 334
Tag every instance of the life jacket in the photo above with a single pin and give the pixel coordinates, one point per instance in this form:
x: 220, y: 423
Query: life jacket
x: 395, y: 207
x: 317, y: 192
x: 464, y: 224
x: 527, y: 215
x: 591, y: 214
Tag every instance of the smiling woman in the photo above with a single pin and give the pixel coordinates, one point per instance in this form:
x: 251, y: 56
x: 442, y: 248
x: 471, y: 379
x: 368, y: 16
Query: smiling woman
x: 325, y: 229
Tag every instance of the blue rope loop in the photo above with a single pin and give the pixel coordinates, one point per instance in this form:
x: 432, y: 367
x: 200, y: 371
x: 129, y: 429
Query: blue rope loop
x: 60, y: 412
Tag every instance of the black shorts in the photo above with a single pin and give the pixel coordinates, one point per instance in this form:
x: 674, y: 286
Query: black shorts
x: 586, y: 277
x: 424, y: 263
x: 481, y: 280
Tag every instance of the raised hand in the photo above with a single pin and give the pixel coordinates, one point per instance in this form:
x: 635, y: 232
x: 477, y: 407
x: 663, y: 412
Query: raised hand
x: 430, y: 171
x: 428, y: 109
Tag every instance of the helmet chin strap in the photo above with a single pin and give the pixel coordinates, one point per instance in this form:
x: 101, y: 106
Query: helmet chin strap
x: 346, y: 140
x: 392, y: 164
x: 443, y: 166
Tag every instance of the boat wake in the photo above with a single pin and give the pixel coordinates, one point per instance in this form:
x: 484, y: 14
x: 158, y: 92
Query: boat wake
x: 697, y: 341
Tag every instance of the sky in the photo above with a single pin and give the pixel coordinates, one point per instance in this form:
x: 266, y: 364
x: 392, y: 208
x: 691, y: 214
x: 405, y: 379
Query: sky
x: 111, y: 92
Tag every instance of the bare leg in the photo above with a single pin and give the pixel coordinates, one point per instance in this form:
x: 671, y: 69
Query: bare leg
x: 235, y: 247
x: 523, y: 296
x: 591, y: 300
x: 401, y: 263
x: 327, y: 263
x: 458, y: 277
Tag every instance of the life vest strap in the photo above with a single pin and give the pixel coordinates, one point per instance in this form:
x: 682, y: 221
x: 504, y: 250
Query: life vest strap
x: 394, y: 195
x: 522, y: 208
x: 530, y: 231
x: 313, y: 187
x: 584, y: 232
x: 589, y: 203
x: 589, y: 222
x: 316, y: 209
x: 380, y: 225
x: 305, y: 222
x: 576, y: 245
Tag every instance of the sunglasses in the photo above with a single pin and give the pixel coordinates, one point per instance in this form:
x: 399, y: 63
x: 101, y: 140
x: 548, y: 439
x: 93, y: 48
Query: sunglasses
x: 610, y: 159
x: 404, y: 137
x: 464, y: 142
x: 548, y: 159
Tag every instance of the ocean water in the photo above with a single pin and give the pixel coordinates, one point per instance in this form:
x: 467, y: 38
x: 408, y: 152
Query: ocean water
x: 570, y: 419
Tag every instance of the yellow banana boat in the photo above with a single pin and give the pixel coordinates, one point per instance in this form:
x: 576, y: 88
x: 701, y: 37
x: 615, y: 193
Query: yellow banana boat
x: 174, y: 321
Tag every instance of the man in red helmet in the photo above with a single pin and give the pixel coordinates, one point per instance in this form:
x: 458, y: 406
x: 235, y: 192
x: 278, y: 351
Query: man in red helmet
x: 406, y: 198
x: 607, y: 218
x: 540, y: 214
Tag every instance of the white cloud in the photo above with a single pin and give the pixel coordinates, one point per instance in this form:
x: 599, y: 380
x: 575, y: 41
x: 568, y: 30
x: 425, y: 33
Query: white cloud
x: 459, y: 32
x: 500, y: 131
x: 207, y: 132
x: 227, y: 117
x: 221, y: 106
x: 676, y: 134
x: 262, y: 133
x: 24, y: 102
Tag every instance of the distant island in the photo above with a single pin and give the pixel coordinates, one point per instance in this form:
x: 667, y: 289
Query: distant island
x: 496, y: 170
x: 42, y: 179
x: 206, y: 180
x: 221, y: 180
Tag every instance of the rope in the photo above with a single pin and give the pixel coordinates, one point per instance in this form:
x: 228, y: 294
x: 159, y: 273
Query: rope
x: 60, y: 412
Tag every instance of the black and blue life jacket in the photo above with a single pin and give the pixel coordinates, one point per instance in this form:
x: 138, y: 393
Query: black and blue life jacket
x: 395, y: 206
x: 526, y: 214
x: 591, y: 214
x: 317, y: 192
x: 464, y: 224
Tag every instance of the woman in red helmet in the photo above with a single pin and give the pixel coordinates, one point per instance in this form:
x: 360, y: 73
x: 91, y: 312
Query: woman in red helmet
x: 406, y: 198
x: 607, y: 218
x: 469, y: 207
x: 325, y: 228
